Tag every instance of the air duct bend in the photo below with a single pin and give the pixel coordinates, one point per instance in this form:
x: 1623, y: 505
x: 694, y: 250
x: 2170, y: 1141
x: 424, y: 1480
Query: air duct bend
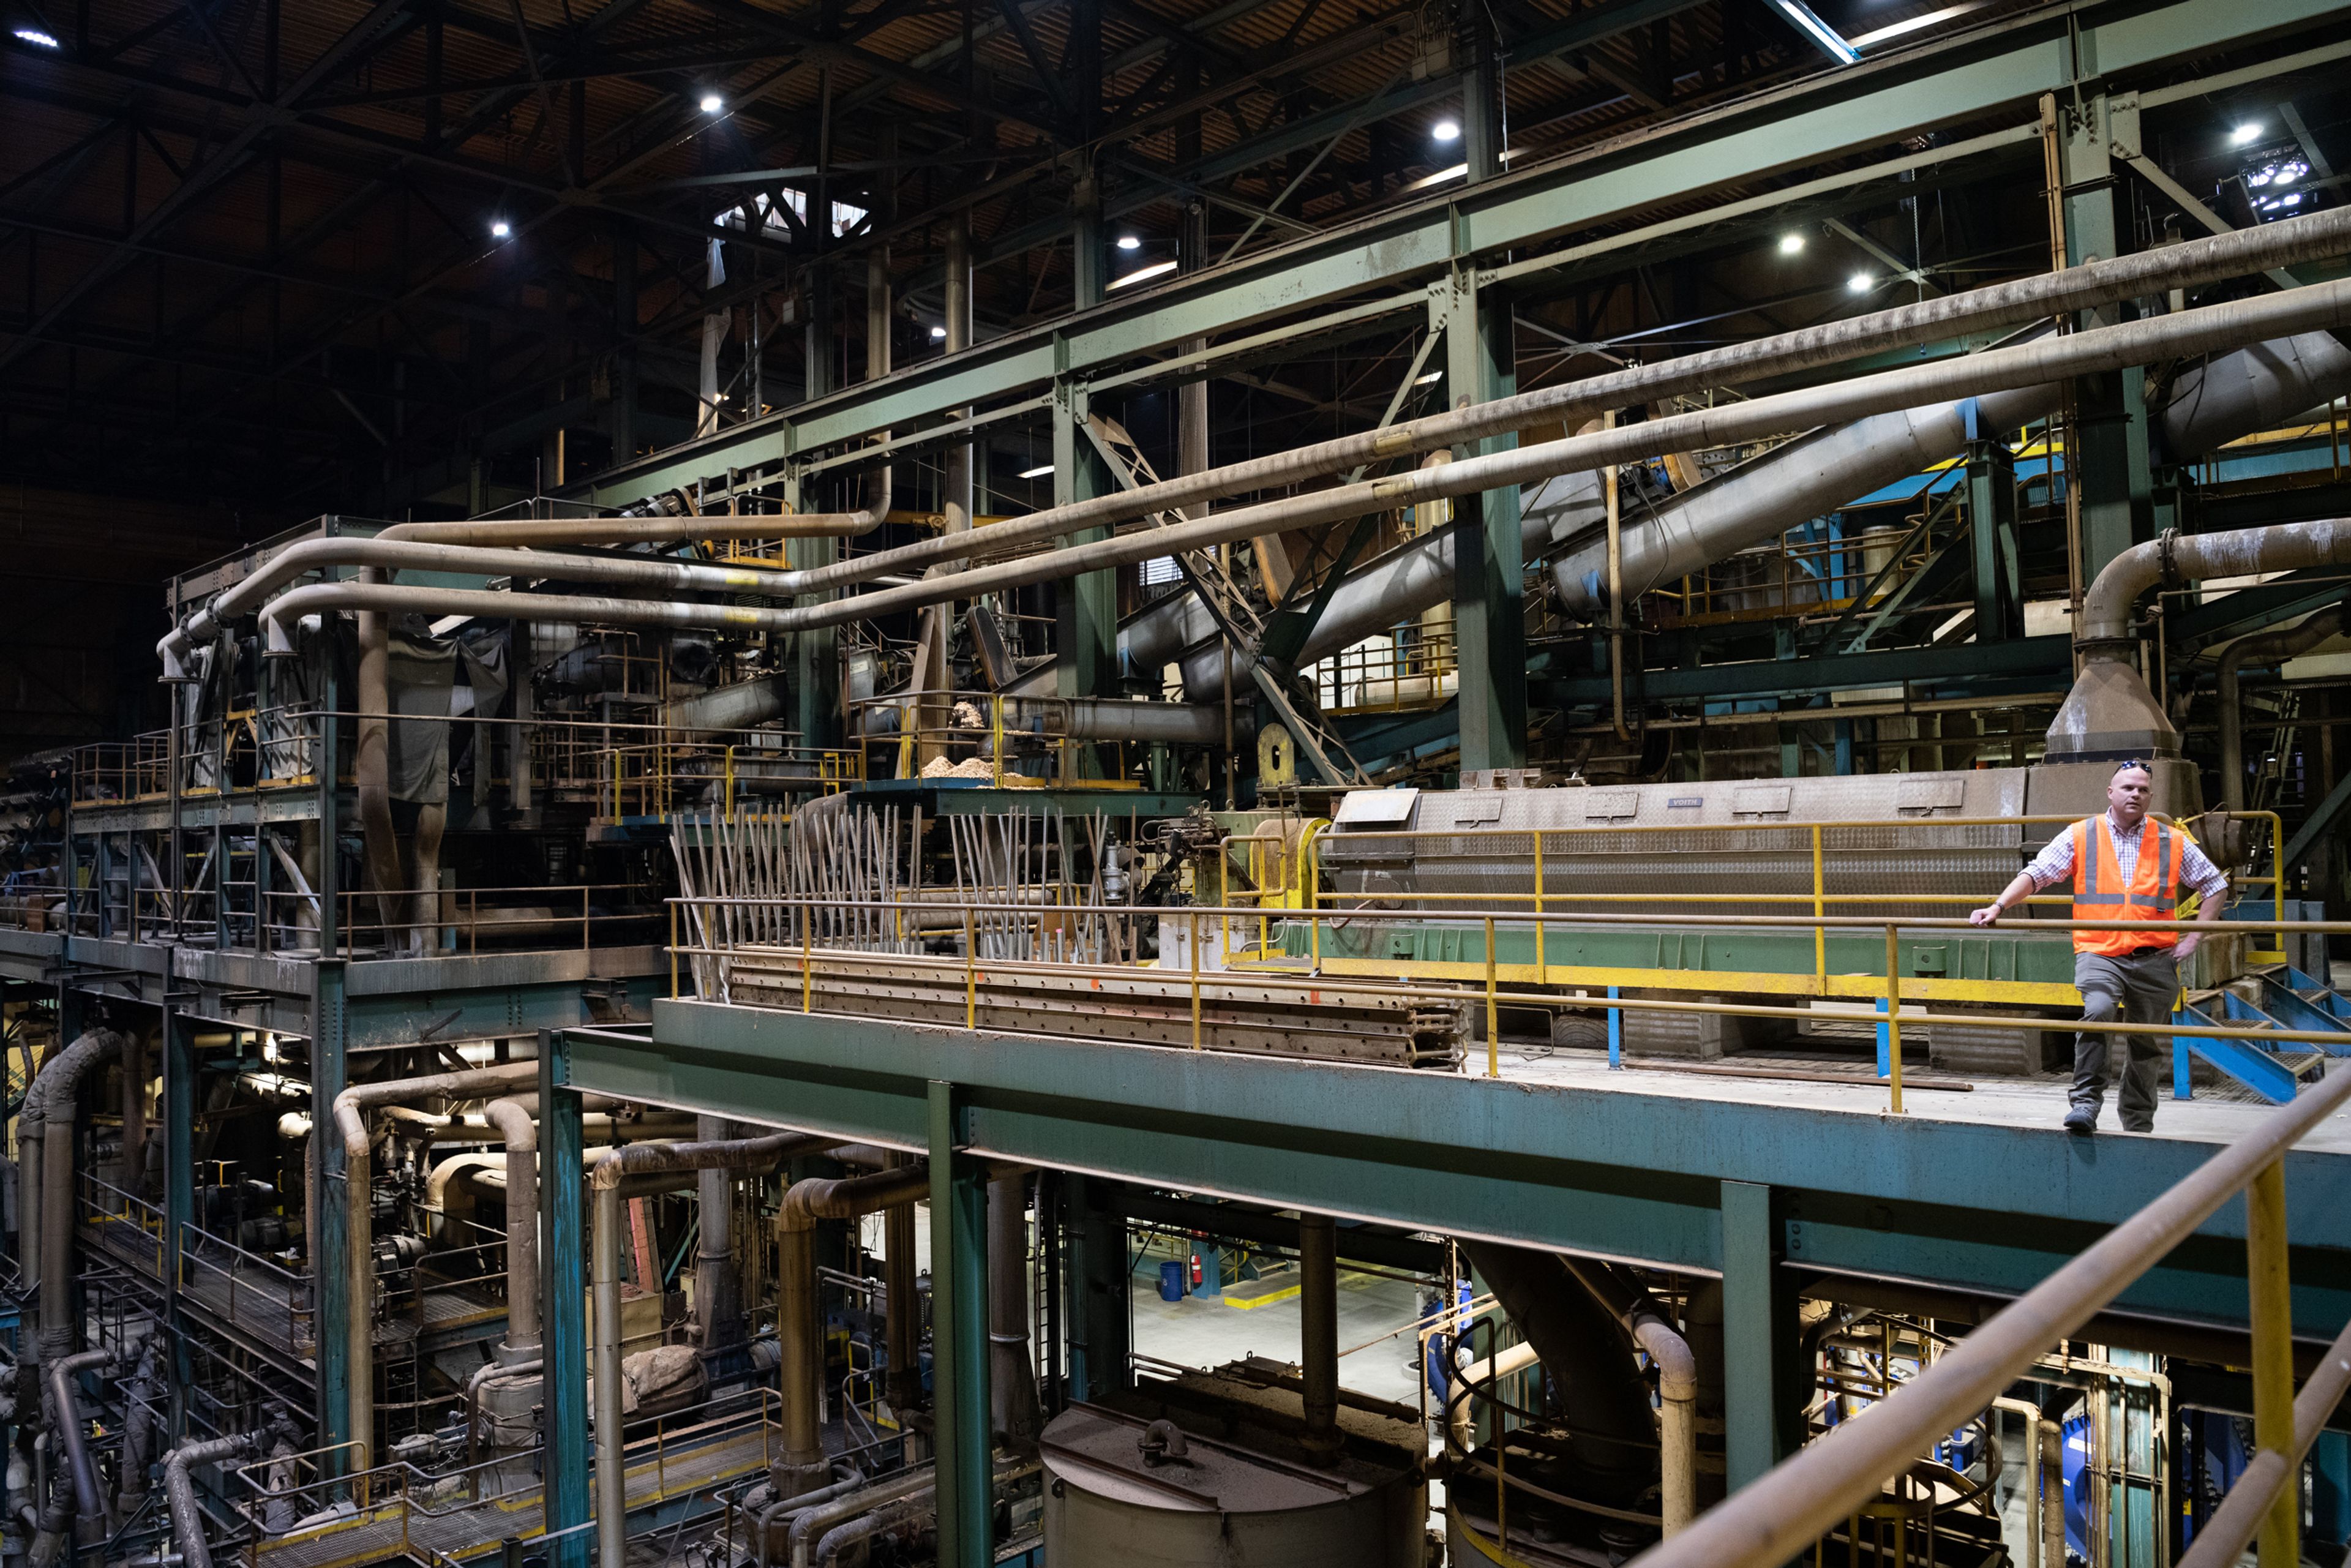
x: 187, y: 1519
x: 2298, y: 639
x: 52, y: 1105
x: 2110, y: 714
x: 351, y: 1107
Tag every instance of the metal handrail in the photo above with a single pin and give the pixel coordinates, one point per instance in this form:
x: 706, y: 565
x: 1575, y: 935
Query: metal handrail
x: 1777, y: 1516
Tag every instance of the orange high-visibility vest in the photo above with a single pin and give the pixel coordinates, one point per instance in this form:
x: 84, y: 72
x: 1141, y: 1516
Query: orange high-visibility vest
x: 2099, y: 893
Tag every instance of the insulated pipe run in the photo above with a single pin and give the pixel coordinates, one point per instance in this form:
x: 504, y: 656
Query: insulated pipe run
x: 516, y: 1124
x: 2235, y: 255
x: 1318, y: 1333
x: 2309, y: 633
x: 604, y: 1182
x: 1676, y: 1420
x: 65, y: 1403
x: 351, y: 1107
x: 2029, y: 364
x: 717, y: 1297
x: 54, y: 1100
x: 187, y: 1519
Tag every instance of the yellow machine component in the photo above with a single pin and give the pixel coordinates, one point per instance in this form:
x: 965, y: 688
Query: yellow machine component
x: 1277, y: 757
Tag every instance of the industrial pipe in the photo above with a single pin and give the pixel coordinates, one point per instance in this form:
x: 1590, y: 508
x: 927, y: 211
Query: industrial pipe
x: 138, y: 1432
x: 2309, y: 633
x: 517, y: 1126
x: 2109, y: 712
x: 65, y: 1405
x: 187, y: 1519
x: 1012, y: 1376
x: 351, y: 1107
x: 2029, y: 364
x: 717, y: 1293
x: 813, y: 1524
x: 2062, y: 292
x: 604, y: 1182
x: 1317, y: 1335
x: 800, y: 1463
x: 52, y: 1104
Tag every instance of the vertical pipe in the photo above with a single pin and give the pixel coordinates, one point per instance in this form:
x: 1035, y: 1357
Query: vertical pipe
x: 1615, y: 593
x: 717, y: 1293
x: 1317, y: 1333
x: 2272, y: 1336
x: 611, y: 1503
x: 564, y: 1365
x: 904, y: 1330
x: 1012, y: 1376
x: 800, y: 1468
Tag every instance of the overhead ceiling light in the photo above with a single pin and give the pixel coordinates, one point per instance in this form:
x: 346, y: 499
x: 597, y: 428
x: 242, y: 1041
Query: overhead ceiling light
x: 1893, y: 30
x: 1130, y: 242
x: 1861, y: 283
x: 2242, y: 134
x: 1448, y: 130
x: 938, y: 333
x: 1042, y: 471
x: 712, y: 104
x: 500, y: 229
x: 37, y: 39
x: 1432, y: 376
x: 1790, y: 244
x: 1156, y: 269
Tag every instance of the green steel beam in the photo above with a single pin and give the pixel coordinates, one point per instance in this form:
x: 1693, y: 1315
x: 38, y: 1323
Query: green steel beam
x: 1617, y: 1172
x: 563, y: 1282
x: 960, y: 1429
x: 2019, y: 656
x: 2001, y: 68
x: 1763, y: 1386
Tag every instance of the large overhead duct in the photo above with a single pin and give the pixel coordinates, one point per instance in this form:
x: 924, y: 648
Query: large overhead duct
x: 2253, y: 389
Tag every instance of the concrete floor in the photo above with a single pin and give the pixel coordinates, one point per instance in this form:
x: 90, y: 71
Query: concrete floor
x: 1207, y: 1332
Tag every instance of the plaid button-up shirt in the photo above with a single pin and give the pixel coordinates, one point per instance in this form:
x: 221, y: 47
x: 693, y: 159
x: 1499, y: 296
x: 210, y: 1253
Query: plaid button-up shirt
x: 2054, y: 863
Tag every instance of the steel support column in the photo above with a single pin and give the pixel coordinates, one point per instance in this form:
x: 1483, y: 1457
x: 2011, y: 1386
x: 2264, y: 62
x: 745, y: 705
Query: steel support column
x: 959, y: 1339
x: 563, y: 1314
x: 1488, y: 569
x: 1763, y: 1386
x: 2107, y: 437
x: 330, y: 1239
x: 1992, y: 531
x: 179, y: 1117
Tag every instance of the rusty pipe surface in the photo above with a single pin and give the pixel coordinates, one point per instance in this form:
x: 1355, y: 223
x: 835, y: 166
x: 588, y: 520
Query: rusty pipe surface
x: 1778, y: 1515
x: 351, y: 1107
x: 1318, y: 1333
x: 2300, y: 638
x: 2025, y: 364
x: 2308, y: 239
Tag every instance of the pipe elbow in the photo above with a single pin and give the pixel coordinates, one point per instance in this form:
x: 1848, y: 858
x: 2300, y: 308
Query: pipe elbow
x: 1677, y: 1365
x: 515, y: 1124
x: 350, y: 1124
x: 2106, y: 607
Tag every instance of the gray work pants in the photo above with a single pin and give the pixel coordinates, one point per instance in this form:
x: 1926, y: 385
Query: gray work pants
x: 2137, y: 989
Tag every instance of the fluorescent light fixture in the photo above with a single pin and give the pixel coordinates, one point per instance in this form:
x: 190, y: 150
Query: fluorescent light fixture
x: 938, y: 333
x: 1823, y: 36
x: 1448, y: 130
x: 1893, y: 30
x: 501, y: 229
x: 1156, y: 269
x: 37, y: 39
x: 1790, y: 244
x: 1432, y: 376
x: 1861, y: 283
x: 1458, y: 171
x: 1130, y: 242
x: 2245, y: 132
x: 712, y: 104
x: 1042, y: 471
x: 441, y: 628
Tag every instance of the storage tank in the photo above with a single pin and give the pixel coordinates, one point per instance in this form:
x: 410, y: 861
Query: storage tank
x: 1206, y: 1470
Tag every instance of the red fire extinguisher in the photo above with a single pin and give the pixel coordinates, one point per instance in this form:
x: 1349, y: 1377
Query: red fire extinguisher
x: 1196, y: 1268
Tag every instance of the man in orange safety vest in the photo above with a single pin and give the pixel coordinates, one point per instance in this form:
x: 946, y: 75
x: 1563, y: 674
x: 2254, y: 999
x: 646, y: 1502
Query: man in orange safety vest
x: 2124, y: 865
